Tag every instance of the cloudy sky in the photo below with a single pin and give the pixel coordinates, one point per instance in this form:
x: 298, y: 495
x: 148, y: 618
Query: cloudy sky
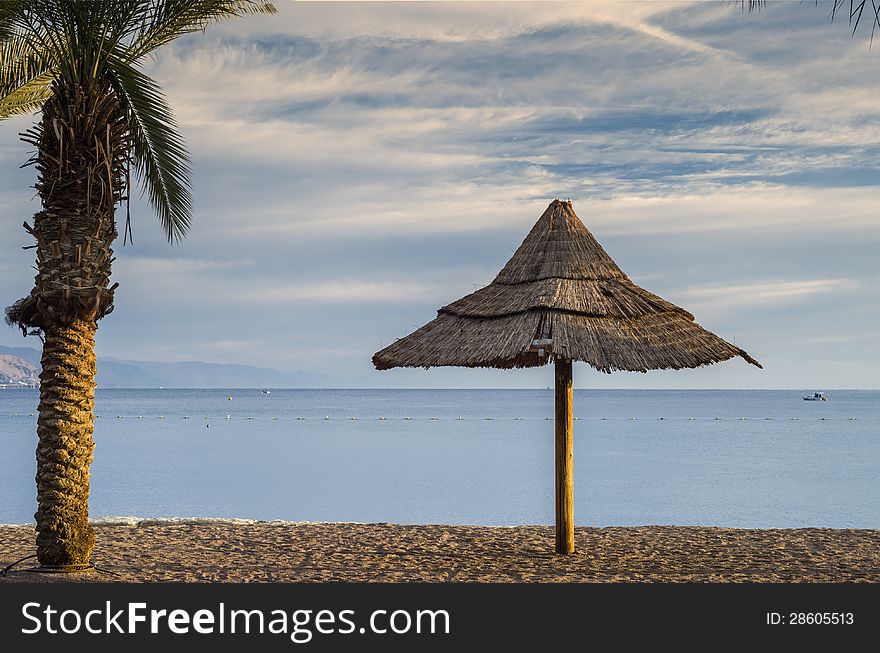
x: 358, y: 165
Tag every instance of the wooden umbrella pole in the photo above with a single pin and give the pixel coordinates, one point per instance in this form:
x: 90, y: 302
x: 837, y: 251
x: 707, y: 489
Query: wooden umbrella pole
x: 564, y: 459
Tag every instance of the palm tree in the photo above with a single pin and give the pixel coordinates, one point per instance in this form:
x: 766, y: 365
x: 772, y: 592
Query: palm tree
x: 78, y: 62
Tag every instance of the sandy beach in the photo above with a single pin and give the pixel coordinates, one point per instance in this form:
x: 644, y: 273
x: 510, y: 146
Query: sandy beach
x: 245, y: 551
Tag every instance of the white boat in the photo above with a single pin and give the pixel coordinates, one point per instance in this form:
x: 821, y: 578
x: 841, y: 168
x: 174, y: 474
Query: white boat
x: 816, y: 396
x: 267, y: 392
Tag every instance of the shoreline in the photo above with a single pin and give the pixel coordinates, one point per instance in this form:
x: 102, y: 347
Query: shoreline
x: 135, y: 521
x: 224, y: 550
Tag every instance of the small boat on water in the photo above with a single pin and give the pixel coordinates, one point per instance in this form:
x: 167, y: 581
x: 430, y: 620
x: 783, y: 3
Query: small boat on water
x: 266, y: 392
x: 816, y: 396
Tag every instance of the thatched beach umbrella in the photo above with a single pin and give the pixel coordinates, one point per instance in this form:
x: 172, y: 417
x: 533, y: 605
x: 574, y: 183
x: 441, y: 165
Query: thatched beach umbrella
x: 561, y: 298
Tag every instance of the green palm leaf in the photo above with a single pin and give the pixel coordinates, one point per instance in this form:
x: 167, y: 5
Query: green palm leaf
x: 160, y: 155
x: 161, y: 22
x: 26, y: 76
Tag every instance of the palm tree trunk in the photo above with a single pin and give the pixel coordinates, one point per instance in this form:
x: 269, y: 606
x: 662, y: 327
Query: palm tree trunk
x: 83, y: 148
x: 64, y: 450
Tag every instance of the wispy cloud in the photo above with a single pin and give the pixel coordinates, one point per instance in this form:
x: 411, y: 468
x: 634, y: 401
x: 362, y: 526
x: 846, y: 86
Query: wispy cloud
x: 334, y: 292
x: 764, y: 292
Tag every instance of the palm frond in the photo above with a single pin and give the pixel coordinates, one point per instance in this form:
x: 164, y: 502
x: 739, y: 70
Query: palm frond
x: 27, y: 98
x: 26, y: 75
x: 160, y: 157
x: 38, y: 26
x: 10, y: 11
x: 163, y: 21
x: 852, y: 8
x: 856, y: 9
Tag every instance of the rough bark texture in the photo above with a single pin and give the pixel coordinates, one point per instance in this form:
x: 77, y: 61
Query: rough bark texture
x: 82, y: 152
x: 64, y: 451
x: 82, y: 149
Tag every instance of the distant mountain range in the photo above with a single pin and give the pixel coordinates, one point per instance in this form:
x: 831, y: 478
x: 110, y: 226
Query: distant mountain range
x: 15, y: 370
x: 22, y: 365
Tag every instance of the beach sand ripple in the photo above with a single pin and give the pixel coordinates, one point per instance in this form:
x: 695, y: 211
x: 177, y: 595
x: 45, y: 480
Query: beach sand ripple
x: 242, y: 551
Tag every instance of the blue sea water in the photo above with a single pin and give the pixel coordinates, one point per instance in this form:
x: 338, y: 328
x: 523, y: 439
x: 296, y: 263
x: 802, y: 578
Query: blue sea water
x: 746, y: 459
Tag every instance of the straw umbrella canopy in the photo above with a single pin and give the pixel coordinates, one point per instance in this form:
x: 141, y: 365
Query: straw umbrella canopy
x: 561, y: 298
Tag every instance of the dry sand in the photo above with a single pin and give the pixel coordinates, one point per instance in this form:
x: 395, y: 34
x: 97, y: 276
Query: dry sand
x: 238, y: 551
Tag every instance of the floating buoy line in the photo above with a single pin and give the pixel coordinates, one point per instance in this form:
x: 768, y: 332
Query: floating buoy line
x: 460, y: 418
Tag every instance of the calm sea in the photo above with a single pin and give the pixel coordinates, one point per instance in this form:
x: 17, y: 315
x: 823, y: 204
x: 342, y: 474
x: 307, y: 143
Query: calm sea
x: 731, y: 458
